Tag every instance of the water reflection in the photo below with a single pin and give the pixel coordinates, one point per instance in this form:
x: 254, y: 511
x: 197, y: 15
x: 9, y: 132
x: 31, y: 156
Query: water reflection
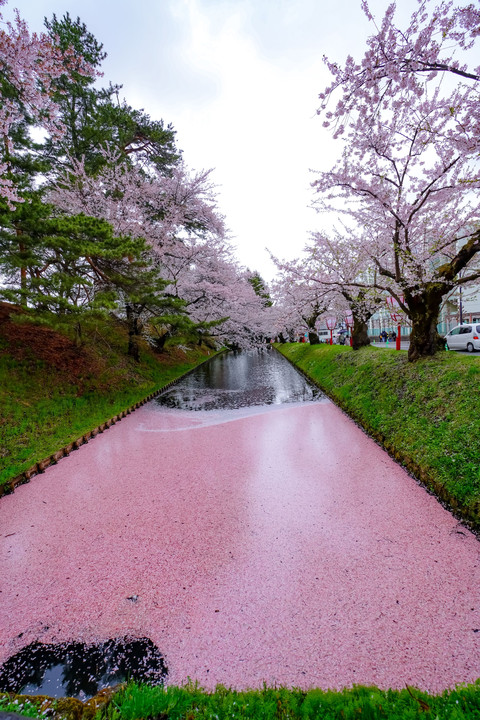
x: 78, y: 670
x: 237, y: 380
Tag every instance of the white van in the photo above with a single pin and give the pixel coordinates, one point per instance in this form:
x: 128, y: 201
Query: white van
x: 464, y: 337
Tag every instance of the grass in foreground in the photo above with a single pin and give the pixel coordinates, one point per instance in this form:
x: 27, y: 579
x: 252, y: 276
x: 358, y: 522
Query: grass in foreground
x: 424, y: 413
x: 23, y: 707
x: 52, y: 392
x: 141, y: 702
x: 175, y: 703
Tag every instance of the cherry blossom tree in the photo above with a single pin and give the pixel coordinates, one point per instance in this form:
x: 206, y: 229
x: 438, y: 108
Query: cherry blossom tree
x: 339, y: 263
x: 414, y: 193
x: 176, y: 213
x: 402, y: 60
x: 408, y: 178
x: 217, y: 292
x: 163, y: 209
x: 120, y: 221
x: 301, y: 297
x: 29, y: 65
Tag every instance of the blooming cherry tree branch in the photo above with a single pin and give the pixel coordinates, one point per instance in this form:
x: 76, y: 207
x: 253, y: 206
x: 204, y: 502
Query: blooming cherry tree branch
x: 29, y: 66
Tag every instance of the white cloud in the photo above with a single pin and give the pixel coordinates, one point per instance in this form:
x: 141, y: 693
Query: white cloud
x: 239, y: 81
x: 260, y: 131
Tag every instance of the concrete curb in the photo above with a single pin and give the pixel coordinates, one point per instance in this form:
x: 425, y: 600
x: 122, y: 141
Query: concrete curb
x: 9, y: 487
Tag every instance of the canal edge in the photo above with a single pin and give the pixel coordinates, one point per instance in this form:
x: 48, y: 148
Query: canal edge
x: 39, y: 467
x: 422, y: 478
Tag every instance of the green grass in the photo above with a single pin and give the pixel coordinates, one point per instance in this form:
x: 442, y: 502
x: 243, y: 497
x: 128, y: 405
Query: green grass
x: 191, y: 702
x: 174, y: 703
x: 20, y: 707
x: 43, y: 409
x: 426, y: 413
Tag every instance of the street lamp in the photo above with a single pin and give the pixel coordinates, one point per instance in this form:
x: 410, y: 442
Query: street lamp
x: 349, y: 324
x: 331, y: 322
x: 396, y: 317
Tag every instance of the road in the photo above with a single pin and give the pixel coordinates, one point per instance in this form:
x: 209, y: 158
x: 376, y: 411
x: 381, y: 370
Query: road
x: 271, y: 544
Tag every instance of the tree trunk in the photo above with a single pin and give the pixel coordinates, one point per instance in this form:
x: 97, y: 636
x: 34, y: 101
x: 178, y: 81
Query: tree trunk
x: 23, y: 275
x: 424, y: 338
x: 132, y: 325
x: 359, y: 334
x: 159, y: 342
x: 361, y: 314
x: 313, y: 338
x: 78, y: 334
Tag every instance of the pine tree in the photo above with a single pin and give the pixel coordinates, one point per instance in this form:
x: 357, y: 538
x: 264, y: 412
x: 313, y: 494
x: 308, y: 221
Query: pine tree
x: 93, y: 117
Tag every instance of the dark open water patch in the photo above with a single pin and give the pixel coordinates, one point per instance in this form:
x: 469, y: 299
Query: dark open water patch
x: 237, y: 380
x: 81, y: 671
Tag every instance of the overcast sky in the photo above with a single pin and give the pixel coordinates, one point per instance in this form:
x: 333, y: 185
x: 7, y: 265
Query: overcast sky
x: 239, y: 81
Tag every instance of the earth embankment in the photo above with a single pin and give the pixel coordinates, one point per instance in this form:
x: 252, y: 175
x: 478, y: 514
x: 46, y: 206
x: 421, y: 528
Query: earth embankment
x: 425, y: 414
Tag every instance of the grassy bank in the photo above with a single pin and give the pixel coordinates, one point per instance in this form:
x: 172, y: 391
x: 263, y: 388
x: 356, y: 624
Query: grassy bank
x: 425, y: 413
x: 277, y: 703
x: 186, y: 703
x: 53, y: 391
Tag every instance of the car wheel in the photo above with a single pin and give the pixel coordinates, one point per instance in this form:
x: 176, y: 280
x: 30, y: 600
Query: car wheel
x: 469, y: 347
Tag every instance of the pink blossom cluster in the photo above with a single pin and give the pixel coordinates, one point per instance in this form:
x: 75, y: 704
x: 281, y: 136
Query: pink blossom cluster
x: 177, y: 215
x: 405, y: 188
x: 402, y: 60
x: 29, y: 65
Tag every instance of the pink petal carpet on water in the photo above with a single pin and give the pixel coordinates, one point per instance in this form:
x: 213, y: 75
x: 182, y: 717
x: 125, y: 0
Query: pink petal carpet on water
x: 276, y: 545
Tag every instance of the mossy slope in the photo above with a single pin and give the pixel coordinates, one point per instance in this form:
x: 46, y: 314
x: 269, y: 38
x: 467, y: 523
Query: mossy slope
x: 52, y: 390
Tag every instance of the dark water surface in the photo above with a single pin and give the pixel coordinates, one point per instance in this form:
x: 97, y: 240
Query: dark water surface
x: 79, y: 670
x: 236, y: 380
